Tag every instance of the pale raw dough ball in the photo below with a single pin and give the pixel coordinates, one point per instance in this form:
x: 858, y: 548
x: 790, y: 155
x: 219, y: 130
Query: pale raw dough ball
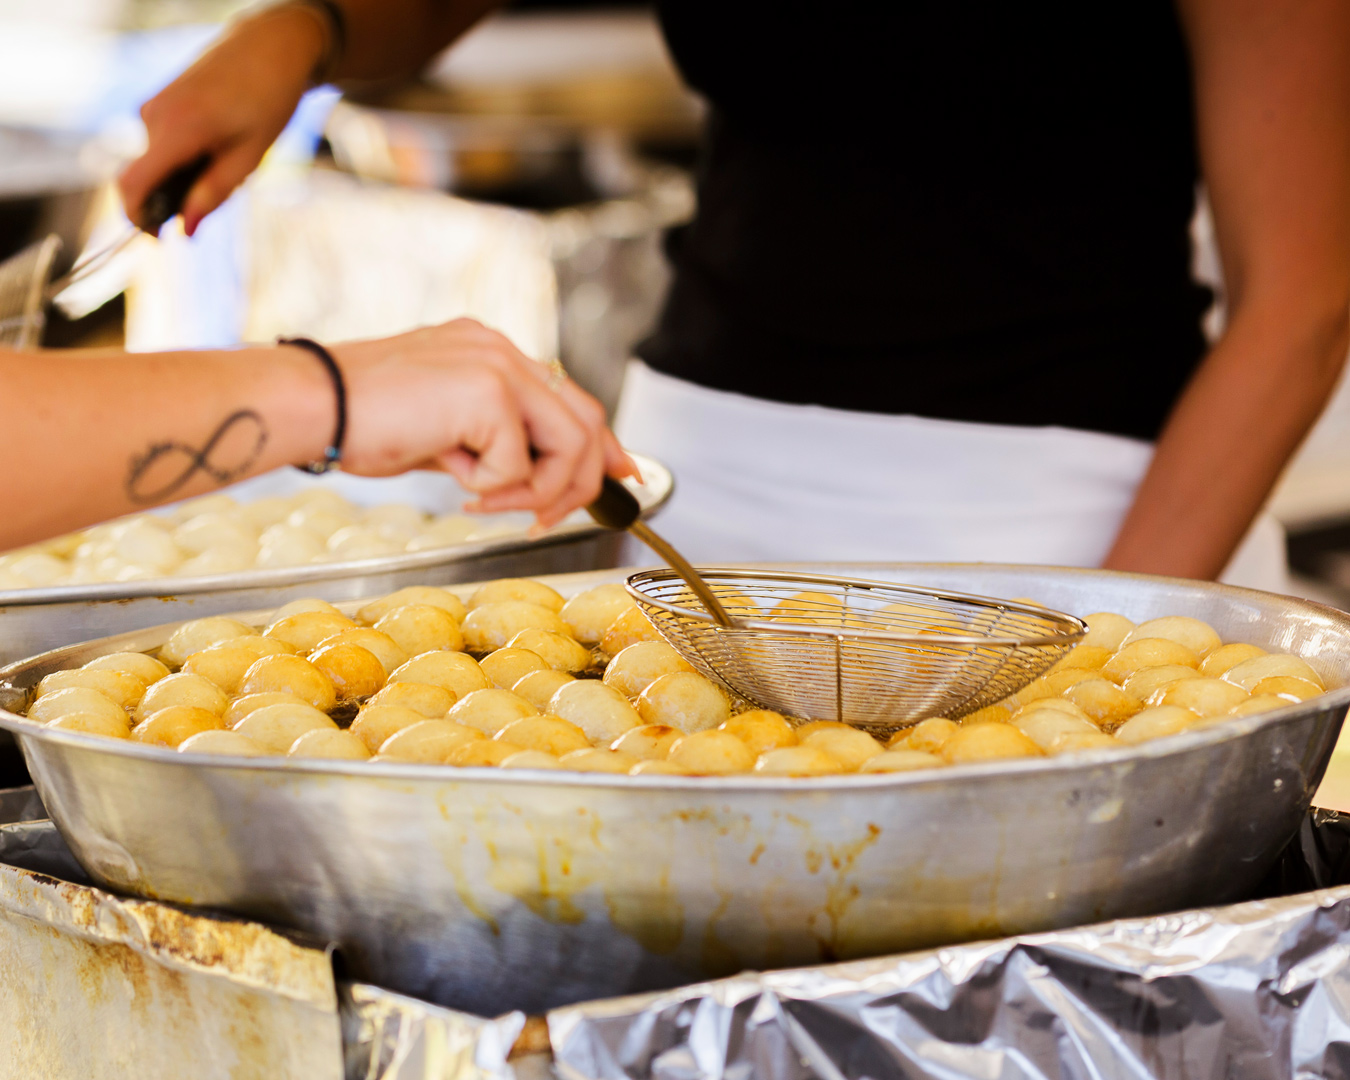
x: 797, y: 761
x: 376, y: 724
x: 304, y: 630
x: 927, y: 736
x: 628, y: 628
x: 651, y: 742
x: 1104, y: 702
x: 1106, y: 630
x: 146, y: 668
x: 105, y: 724
x: 1288, y: 687
x: 395, y: 521
x: 809, y: 608
x: 761, y: 730
x: 385, y: 649
x: 599, y: 710
x: 538, y: 687
x: 240, y: 707
x: 493, y: 625
x: 483, y: 753
x: 218, y: 560
x: 171, y: 726
x: 215, y: 530
x: 1147, y: 653
x: 37, y: 570
x: 362, y: 542
x: 200, y: 634
x: 1199, y: 637
x: 267, y: 511
x: 217, y: 502
x: 1204, y: 697
x: 849, y: 748
x: 299, y: 607
x: 226, y: 662
x: 507, y: 666
x: 641, y: 664
x: 329, y: 743
x: 588, y: 615
x: 684, y: 700
x: 987, y: 742
x: 1263, y: 703
x: 420, y: 595
x: 559, y: 651
x: 126, y: 690
x: 322, y: 521
x: 531, y: 759
x: 454, y: 671
x: 226, y: 743
x: 355, y: 673
x: 517, y: 589
x: 183, y: 689
x: 433, y: 702
x: 1053, y: 684
x: 1143, y: 684
x: 1077, y: 742
x: 443, y: 532
x: 146, y: 543
x: 548, y: 734
x: 1227, y: 657
x: 1045, y: 727
x: 276, y: 727
x: 1001, y: 712
x: 490, y: 710
x: 598, y: 761
x: 421, y: 628
x: 713, y: 753
x: 1250, y: 672
x: 1154, y: 723
x: 658, y: 768
x: 78, y: 699
x: 285, y: 545
x: 1084, y: 657
x: 893, y: 761
x: 289, y: 675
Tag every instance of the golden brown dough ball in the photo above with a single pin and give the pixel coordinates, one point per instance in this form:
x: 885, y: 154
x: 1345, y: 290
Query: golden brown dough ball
x: 1288, y: 687
x: 1146, y: 653
x: 219, y: 741
x: 549, y: 734
x: 1154, y: 723
x: 376, y: 724
x: 1104, y: 702
x: 641, y: 664
x: 242, y: 706
x: 481, y: 753
x: 685, y: 700
x: 1204, y: 697
x: 1250, y: 672
x: 329, y: 743
x: 1045, y: 727
x: 170, y: 726
x: 1084, y: 657
x: 1076, y: 742
x: 182, y: 689
x: 429, y: 742
x: 598, y: 761
x: 304, y: 631
x: 807, y: 729
x: 1054, y: 704
x: 119, y: 686
x: 893, y: 761
x: 422, y: 595
x: 513, y: 590
x: 761, y: 730
x: 559, y: 651
x: 627, y: 629
x: 494, y: 625
x: 1142, y: 685
x: 77, y: 699
x: 276, y: 727
x: 199, y: 634
x: 797, y: 761
x: 810, y: 608
x: 355, y: 673
x: 146, y: 668
x: 386, y: 650
x: 1227, y: 657
x: 454, y: 671
x: 490, y: 710
x: 507, y: 666
x: 999, y: 712
x: 987, y: 742
x: 1260, y: 704
x: 308, y: 603
x: 651, y: 742
x: 1201, y: 638
x: 1053, y: 684
x: 713, y: 753
x: 105, y: 724
x: 421, y: 628
x: 226, y: 662
x: 658, y: 768
x: 599, y: 710
x: 589, y: 614
x: 538, y: 687
x: 1106, y: 630
x: 432, y: 702
x: 288, y: 675
x: 849, y: 748
x: 531, y: 759
x: 927, y: 735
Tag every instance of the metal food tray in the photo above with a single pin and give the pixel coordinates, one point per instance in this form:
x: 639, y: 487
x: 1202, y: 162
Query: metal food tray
x: 486, y: 890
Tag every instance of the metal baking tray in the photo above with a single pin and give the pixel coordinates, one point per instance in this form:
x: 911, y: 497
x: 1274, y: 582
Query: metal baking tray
x: 487, y: 890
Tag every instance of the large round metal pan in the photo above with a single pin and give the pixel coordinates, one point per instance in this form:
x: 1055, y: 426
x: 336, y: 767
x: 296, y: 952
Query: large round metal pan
x: 485, y: 889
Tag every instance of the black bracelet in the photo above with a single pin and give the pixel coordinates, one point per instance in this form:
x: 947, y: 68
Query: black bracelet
x: 332, y: 457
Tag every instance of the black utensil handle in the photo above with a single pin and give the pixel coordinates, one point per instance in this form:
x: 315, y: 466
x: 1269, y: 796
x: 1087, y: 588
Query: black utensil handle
x: 616, y: 508
x: 166, y: 201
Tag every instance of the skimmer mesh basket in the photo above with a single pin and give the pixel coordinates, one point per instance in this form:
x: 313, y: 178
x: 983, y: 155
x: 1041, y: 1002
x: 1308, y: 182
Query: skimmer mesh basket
x: 23, y: 281
x: 872, y: 654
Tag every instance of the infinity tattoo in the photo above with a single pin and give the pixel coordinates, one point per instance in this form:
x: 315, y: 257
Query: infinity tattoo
x: 194, y: 460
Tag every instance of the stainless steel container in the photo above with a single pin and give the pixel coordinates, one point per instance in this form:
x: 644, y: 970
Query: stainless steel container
x: 488, y: 890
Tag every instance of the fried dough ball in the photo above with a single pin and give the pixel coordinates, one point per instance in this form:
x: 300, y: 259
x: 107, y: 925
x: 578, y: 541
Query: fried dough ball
x: 1227, y: 657
x: 1260, y: 704
x: 599, y: 761
x: 76, y: 699
x: 589, y: 614
x: 507, y: 590
x: 658, y: 768
x: 276, y: 727
x: 493, y: 625
x: 1146, y: 653
x: 385, y: 649
x: 219, y: 741
x: 1083, y: 657
x: 628, y: 628
x: 453, y: 671
x: 1045, y: 727
x: 599, y: 710
x: 432, y: 702
x: 641, y: 664
x: 226, y: 662
x: 1143, y: 684
x: 849, y: 748
x: 1103, y: 701
x: 199, y: 634
x: 987, y: 742
x: 1199, y: 637
x: 507, y: 666
x: 146, y: 668
x: 686, y: 700
x: 490, y: 710
x: 240, y: 707
x: 172, y: 725
x: 119, y: 686
x: 304, y: 631
x: 430, y: 742
x: 714, y: 753
x: 329, y: 743
x: 1060, y: 705
x: 1075, y: 742
x: 376, y: 724
x: 421, y: 595
x: 112, y: 727
x: 299, y: 607
x: 1204, y: 697
x: 1053, y: 684
x: 806, y: 730
x: 927, y: 735
x: 538, y: 687
x: 1250, y: 672
x: 480, y: 753
x: 810, y: 608
x: 421, y: 628
x: 1106, y: 630
x: 892, y: 761
x: 355, y: 673
x: 797, y: 761
x: 183, y: 688
x: 1288, y: 687
x: 1154, y: 723
x: 531, y: 759
x: 651, y: 742
x: 289, y: 675
x: 558, y: 651
x: 549, y: 734
x: 998, y: 711
x: 761, y: 730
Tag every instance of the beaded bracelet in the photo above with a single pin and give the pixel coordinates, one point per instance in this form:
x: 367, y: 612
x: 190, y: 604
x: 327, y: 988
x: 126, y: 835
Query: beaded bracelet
x: 332, y: 457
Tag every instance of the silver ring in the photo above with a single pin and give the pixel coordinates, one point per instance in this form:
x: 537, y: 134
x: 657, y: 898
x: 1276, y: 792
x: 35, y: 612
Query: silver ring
x: 557, y: 374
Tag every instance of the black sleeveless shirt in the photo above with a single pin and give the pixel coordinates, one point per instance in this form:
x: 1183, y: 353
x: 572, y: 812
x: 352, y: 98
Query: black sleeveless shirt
x: 969, y: 210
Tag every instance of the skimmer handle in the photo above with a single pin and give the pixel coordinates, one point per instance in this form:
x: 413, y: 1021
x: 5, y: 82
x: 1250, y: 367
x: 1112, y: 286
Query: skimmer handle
x: 616, y: 507
x: 166, y: 201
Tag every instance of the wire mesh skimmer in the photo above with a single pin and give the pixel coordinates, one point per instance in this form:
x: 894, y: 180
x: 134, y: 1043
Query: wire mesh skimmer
x: 873, y: 654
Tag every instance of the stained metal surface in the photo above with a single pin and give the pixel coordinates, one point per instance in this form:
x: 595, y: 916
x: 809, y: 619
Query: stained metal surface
x: 488, y: 891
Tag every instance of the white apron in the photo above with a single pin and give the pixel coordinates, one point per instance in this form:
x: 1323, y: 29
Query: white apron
x: 766, y: 481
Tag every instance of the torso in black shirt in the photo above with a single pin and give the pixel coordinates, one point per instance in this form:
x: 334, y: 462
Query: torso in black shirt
x: 975, y: 211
